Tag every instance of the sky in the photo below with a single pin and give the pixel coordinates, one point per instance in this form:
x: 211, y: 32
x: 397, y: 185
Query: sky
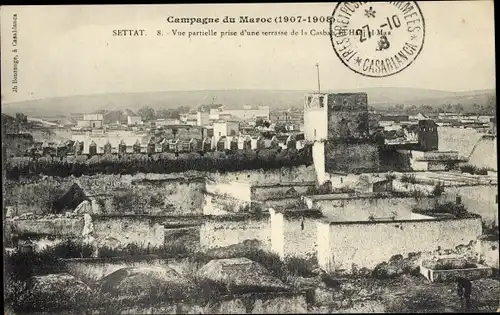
x: 71, y: 50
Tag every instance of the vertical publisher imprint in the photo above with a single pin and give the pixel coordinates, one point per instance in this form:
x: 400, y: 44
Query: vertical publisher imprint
x: 377, y: 39
x: 15, y: 57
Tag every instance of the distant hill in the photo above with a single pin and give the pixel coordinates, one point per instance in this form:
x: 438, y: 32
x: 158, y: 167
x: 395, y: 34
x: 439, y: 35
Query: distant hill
x: 379, y: 98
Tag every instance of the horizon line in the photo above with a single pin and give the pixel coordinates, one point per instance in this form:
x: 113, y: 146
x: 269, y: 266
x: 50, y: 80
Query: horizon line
x: 240, y: 89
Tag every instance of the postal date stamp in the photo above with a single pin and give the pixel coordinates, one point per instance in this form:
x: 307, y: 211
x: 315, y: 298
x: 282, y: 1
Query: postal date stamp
x: 377, y: 39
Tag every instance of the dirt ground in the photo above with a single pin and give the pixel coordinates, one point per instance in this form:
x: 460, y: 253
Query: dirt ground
x: 410, y: 294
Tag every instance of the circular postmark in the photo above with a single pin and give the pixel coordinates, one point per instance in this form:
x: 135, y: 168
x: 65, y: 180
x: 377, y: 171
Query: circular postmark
x: 377, y: 39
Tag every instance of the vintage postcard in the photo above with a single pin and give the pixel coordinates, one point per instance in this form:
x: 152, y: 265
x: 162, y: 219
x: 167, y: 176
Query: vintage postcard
x: 250, y: 158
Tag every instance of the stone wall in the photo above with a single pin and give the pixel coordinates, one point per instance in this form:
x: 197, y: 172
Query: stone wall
x: 121, y: 231
x: 224, y: 233
x: 188, y: 236
x: 114, y: 232
x: 289, y: 238
x: 285, y: 174
x: 222, y: 205
x: 180, y: 194
x: 351, y: 158
x: 279, y: 203
x: 281, y: 189
x: 64, y: 227
x: 353, y: 207
x: 344, y: 244
x: 236, y: 189
x: 223, y: 198
x: 348, y: 181
x: 34, y: 198
x: 479, y: 199
x: 488, y: 252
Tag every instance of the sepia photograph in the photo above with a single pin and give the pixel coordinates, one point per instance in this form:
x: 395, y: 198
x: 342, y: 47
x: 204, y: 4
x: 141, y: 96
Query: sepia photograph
x: 332, y: 157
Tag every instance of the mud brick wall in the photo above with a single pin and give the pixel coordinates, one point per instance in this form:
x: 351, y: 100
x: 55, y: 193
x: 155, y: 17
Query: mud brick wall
x: 360, y: 209
x: 340, y: 245
x: 288, y: 238
x: 224, y: 233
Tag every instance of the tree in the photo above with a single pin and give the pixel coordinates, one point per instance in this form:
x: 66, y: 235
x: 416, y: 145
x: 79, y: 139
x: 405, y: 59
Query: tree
x: 400, y: 107
x: 477, y: 108
x: 491, y: 105
x: 259, y: 122
x: 147, y: 113
x: 412, y: 110
x: 21, y: 118
x: 426, y: 109
x: 446, y: 108
x: 459, y: 108
x: 21, y: 121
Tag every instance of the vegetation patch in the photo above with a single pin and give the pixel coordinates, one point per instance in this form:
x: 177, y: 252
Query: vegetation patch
x: 458, y: 211
x: 408, y: 178
x: 490, y: 231
x: 473, y: 170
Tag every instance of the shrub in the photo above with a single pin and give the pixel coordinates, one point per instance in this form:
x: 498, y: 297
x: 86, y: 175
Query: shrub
x: 390, y: 177
x: 13, y: 289
x: 297, y: 266
x: 417, y: 302
x: 282, y: 269
x: 210, y: 290
x: 491, y: 231
x: 19, y: 266
x: 408, y: 178
x: 437, y: 190
x: 457, y: 210
x: 70, y: 249
x: 473, y: 170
